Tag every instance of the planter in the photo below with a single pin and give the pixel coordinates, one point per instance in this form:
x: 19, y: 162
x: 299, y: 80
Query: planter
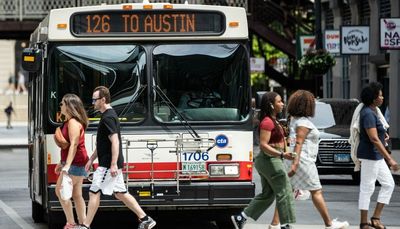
x: 317, y: 61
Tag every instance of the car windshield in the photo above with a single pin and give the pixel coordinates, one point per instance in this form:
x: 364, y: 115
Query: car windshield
x: 205, y: 82
x: 323, y: 117
x: 79, y: 69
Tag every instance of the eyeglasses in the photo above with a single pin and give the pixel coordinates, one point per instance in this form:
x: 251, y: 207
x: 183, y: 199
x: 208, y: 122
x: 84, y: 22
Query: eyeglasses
x: 95, y: 99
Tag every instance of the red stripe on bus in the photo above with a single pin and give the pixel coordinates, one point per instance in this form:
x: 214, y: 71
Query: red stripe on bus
x: 136, y: 169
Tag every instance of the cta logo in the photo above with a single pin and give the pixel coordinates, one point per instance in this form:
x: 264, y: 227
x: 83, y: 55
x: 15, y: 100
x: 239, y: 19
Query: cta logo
x: 222, y: 141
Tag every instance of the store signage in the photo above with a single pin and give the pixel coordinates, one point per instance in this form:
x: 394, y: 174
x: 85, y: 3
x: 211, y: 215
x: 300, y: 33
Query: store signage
x: 306, y: 42
x: 389, y: 33
x: 354, y: 40
x: 332, y: 41
x: 257, y: 65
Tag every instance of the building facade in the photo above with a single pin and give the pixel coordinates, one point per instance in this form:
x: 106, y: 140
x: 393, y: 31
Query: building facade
x: 353, y: 72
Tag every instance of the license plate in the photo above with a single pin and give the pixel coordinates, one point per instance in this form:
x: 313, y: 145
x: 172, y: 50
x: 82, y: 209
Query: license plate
x: 341, y: 157
x: 197, y: 167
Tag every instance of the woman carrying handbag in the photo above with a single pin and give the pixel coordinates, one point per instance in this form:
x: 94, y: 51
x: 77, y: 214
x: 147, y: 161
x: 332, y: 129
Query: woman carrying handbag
x: 70, y: 137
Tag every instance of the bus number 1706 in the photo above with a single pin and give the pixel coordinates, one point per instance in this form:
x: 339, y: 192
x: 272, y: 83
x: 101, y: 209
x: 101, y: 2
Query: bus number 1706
x: 195, y: 156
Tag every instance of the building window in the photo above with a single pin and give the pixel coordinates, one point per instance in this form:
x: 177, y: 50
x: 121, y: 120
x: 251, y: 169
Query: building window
x: 384, y: 8
x: 346, y: 79
x: 364, y: 70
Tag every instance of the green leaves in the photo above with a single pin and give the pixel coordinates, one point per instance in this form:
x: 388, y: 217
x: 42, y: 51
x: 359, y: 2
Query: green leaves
x: 317, y: 61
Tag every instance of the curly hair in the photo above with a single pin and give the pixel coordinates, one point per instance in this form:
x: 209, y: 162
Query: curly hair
x: 301, y: 104
x: 370, y: 93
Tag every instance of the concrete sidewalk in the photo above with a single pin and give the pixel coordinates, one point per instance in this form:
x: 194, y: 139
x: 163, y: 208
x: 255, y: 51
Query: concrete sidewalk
x: 17, y: 137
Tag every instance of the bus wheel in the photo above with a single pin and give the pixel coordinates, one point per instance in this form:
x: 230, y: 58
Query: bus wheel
x: 37, y: 212
x: 225, y: 222
x: 54, y: 219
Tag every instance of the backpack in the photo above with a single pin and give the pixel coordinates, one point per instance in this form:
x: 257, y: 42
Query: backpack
x: 8, y: 110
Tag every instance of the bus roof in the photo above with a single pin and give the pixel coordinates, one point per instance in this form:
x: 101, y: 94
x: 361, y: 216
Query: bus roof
x: 57, y: 25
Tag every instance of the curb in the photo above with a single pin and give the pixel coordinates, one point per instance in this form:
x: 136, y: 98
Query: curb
x: 301, y: 226
x: 11, y: 146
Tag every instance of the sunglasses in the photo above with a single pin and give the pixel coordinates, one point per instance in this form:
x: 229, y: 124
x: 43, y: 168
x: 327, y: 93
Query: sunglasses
x: 95, y: 99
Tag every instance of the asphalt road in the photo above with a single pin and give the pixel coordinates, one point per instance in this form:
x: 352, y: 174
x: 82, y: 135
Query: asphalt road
x: 340, y: 194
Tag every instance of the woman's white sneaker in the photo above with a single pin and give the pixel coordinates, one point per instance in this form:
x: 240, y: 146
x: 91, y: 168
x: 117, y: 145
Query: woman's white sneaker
x: 278, y: 226
x: 338, y: 225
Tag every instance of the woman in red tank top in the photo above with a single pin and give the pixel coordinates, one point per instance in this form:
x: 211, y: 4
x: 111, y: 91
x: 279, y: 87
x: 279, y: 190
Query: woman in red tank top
x: 70, y: 137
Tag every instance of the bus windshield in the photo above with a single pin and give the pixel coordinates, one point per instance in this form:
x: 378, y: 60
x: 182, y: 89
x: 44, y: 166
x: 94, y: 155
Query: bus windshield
x: 205, y: 82
x: 80, y: 69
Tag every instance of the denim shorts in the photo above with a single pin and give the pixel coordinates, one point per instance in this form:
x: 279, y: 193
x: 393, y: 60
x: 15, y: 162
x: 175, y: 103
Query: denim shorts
x: 77, y: 171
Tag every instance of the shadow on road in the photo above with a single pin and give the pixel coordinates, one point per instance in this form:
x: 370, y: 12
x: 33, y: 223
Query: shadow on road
x: 338, y: 182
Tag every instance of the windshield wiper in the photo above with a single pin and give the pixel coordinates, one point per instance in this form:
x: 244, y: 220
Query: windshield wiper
x: 173, y: 108
x: 133, y: 100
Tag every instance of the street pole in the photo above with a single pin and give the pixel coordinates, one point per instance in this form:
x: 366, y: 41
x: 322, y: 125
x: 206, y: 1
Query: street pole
x: 318, y: 29
x: 318, y: 43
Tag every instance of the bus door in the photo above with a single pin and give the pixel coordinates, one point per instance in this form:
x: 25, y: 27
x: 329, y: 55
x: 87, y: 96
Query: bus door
x: 36, y: 141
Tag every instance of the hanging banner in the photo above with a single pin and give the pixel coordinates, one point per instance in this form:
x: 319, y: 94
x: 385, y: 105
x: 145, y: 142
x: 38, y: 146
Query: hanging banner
x: 332, y: 41
x: 354, y: 40
x: 389, y: 30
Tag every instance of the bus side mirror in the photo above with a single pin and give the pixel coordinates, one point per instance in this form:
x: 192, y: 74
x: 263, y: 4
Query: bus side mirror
x: 31, y: 59
x: 259, y: 95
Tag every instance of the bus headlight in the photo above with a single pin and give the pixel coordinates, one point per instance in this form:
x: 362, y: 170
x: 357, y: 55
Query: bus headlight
x: 223, y: 170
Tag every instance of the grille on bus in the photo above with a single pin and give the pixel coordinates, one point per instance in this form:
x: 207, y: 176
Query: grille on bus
x: 327, y: 149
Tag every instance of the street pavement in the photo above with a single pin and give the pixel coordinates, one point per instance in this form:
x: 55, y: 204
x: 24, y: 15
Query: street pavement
x: 18, y: 138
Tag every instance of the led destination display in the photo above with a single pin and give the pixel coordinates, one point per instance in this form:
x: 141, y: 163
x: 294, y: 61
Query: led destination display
x: 140, y: 23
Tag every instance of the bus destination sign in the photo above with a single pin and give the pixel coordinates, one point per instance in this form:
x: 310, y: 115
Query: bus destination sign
x: 142, y: 23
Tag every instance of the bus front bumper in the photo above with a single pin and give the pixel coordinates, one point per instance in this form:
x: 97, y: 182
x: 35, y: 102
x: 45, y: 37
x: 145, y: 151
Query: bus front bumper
x: 170, y: 196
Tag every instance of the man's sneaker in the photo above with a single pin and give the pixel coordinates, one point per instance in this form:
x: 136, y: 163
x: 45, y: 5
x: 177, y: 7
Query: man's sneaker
x: 287, y: 226
x: 147, y: 224
x: 239, y: 221
x: 338, y: 225
x: 278, y: 226
x: 81, y: 226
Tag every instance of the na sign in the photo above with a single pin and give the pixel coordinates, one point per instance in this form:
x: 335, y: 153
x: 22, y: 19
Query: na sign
x: 389, y: 33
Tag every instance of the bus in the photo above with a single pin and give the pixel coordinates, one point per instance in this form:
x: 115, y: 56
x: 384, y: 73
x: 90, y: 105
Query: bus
x: 180, y: 84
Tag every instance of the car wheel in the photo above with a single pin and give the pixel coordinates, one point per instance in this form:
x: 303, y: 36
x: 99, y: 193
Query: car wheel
x: 356, y: 177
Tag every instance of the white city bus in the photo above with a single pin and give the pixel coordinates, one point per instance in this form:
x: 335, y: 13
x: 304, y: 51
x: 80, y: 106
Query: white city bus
x: 179, y: 79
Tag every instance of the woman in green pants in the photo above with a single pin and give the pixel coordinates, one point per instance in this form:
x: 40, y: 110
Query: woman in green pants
x: 269, y: 164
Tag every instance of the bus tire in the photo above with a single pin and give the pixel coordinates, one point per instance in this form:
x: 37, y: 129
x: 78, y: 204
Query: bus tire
x: 53, y: 220
x: 223, y: 219
x: 225, y: 222
x: 37, y: 212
